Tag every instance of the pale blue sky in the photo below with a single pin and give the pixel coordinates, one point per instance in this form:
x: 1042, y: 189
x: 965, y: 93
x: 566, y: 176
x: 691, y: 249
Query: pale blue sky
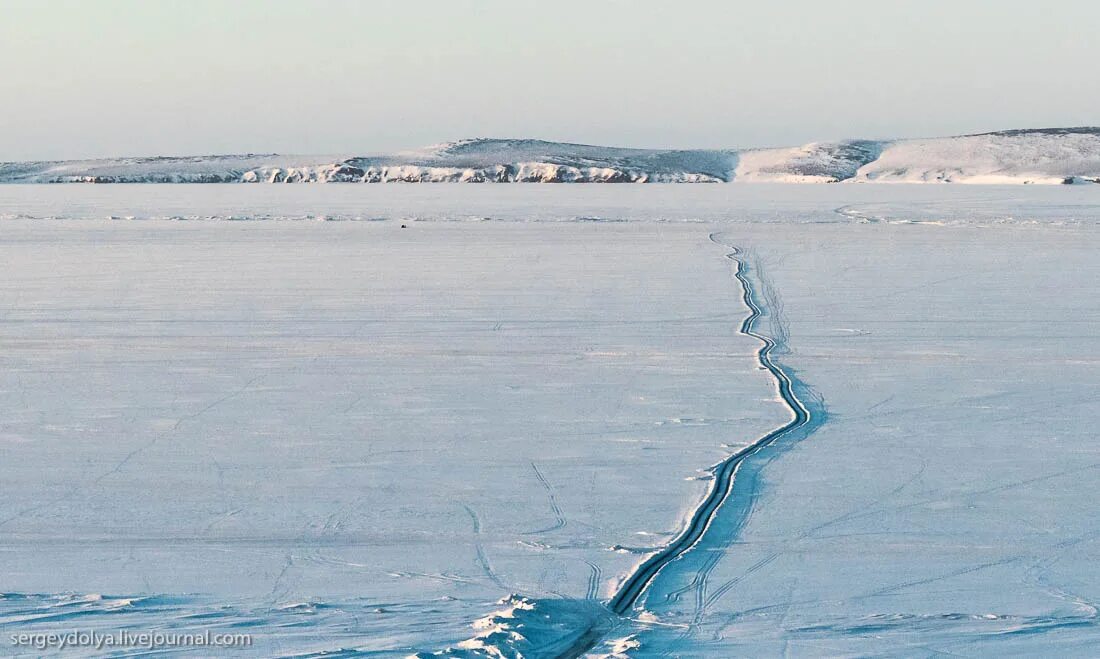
x: 116, y: 77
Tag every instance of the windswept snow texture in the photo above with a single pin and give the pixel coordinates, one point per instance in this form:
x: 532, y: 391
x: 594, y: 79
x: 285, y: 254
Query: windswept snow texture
x: 396, y: 425
x: 1061, y: 155
x: 458, y: 438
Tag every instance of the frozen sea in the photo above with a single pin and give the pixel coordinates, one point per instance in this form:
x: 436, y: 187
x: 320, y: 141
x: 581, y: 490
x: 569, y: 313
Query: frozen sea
x: 449, y: 419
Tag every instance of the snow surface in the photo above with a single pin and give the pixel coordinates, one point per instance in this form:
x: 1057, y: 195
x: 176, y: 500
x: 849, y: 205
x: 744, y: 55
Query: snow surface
x: 457, y: 438
x: 1069, y: 155
x: 943, y: 505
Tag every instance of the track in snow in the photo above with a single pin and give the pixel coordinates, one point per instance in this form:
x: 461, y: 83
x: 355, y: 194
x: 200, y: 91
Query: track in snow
x: 802, y: 421
x: 726, y: 471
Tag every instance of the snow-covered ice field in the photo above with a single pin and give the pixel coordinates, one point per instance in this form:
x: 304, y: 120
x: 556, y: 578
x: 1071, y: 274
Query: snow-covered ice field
x: 347, y: 434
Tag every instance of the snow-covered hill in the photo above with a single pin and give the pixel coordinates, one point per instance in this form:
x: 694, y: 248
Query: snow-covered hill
x: 1060, y: 155
x: 195, y: 169
x: 478, y: 160
x: 1056, y: 155
x: 537, y: 161
x: 818, y: 162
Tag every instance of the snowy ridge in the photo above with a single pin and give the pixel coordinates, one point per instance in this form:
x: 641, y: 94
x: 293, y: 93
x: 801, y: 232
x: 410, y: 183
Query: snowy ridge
x: 1052, y: 155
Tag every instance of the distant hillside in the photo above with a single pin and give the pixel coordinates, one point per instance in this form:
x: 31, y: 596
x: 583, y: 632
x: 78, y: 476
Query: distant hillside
x: 1047, y: 155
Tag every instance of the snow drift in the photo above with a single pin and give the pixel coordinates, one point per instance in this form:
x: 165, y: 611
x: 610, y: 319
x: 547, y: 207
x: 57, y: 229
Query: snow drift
x: 530, y: 628
x: 1052, y: 155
